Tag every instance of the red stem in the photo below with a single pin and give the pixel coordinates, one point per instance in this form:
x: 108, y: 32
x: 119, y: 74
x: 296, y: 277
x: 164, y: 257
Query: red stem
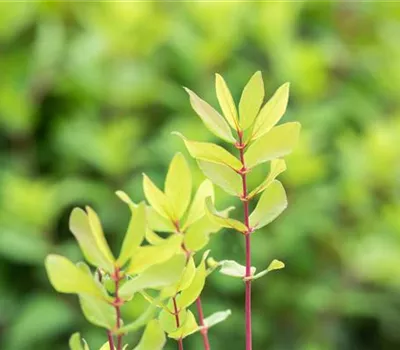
x: 117, y: 305
x: 178, y: 324
x: 110, y: 340
x: 241, y: 148
x: 204, y: 329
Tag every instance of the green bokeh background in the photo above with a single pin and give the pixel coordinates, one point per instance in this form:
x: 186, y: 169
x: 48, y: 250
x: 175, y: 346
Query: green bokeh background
x: 89, y: 96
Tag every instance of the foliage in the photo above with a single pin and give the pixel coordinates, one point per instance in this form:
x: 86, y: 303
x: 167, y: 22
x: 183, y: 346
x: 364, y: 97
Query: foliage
x: 83, y: 85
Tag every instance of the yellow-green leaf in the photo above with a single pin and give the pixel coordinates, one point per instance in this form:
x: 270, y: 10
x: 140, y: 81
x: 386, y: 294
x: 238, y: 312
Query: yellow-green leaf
x: 226, y: 101
x: 278, y: 166
x: 211, y: 153
x: 98, y: 234
x: 139, y: 322
x: 149, y: 255
x: 153, y: 238
x: 195, y: 238
x: 272, y: 112
x: 191, y: 293
x: 134, y: 235
x: 97, y: 311
x: 272, y: 203
x: 278, y: 143
x: 196, y: 210
x: 210, y: 117
x: 167, y: 319
x: 80, y: 228
x: 65, y: 277
x: 75, y: 342
x: 178, y: 185
x: 251, y: 100
x: 155, y: 277
x: 188, y: 327
x: 153, y: 337
x: 222, y: 176
x: 274, y: 265
x: 106, y: 346
x: 213, y: 215
x: 157, y: 199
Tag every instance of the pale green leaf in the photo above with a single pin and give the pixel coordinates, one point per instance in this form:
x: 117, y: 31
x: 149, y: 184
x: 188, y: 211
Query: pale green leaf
x: 191, y: 293
x: 178, y: 185
x: 279, y: 142
x: 196, y: 210
x: 155, y: 277
x: 213, y: 215
x: 272, y: 203
x: 80, y: 228
x: 251, y: 100
x: 211, y: 153
x: 97, y: 311
x: 278, y: 166
x: 195, y: 238
x: 234, y: 269
x: 226, y: 102
x: 153, y: 337
x: 134, y: 235
x: 272, y: 112
x: 125, y: 198
x: 157, y: 199
x: 153, y: 238
x: 149, y: 255
x: 139, y: 322
x: 210, y: 117
x: 187, y: 276
x: 98, y: 234
x: 222, y: 176
x: 188, y: 327
x: 75, y: 342
x: 106, y: 346
x: 275, y: 265
x: 216, y: 318
x: 66, y: 277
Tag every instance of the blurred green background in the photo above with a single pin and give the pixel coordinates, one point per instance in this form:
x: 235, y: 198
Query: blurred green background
x: 89, y: 94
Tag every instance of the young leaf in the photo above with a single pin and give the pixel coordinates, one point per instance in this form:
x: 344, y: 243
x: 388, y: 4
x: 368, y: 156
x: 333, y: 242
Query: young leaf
x: 155, y: 277
x: 196, y: 210
x: 272, y: 112
x: 80, y: 228
x: 75, y: 342
x: 97, y: 311
x: 148, y: 255
x: 155, y: 220
x: 275, y: 265
x: 226, y: 102
x: 134, y: 235
x: 271, y: 204
x: 279, y: 142
x: 278, y: 166
x: 98, y: 234
x: 216, y: 318
x: 222, y: 176
x: 234, y: 269
x: 167, y: 319
x: 65, y: 277
x: 153, y: 238
x: 157, y: 199
x: 251, y: 100
x: 139, y: 322
x: 190, y: 294
x: 189, y: 327
x: 221, y: 220
x: 211, y: 153
x: 153, y: 337
x: 195, y: 238
x: 210, y: 117
x: 178, y: 185
x: 106, y: 346
x: 187, y: 276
